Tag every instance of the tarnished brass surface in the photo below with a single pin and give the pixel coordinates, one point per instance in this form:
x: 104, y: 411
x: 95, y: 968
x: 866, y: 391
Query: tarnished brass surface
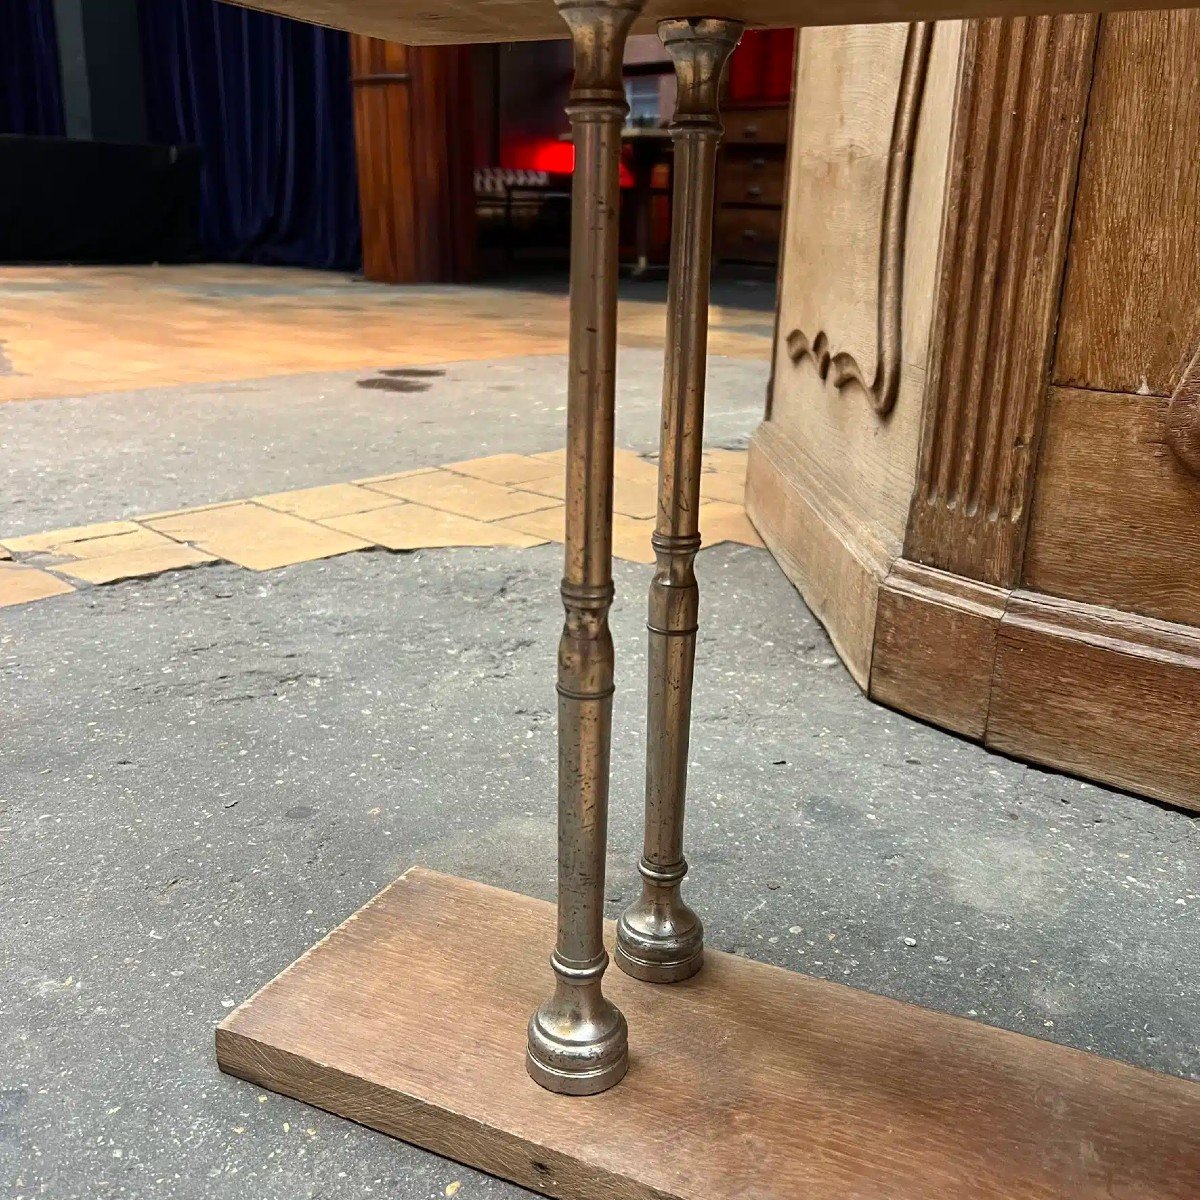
x: 659, y: 938
x: 578, y: 1041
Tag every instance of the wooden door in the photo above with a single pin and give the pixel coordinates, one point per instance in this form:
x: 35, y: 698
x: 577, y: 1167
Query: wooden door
x: 412, y: 127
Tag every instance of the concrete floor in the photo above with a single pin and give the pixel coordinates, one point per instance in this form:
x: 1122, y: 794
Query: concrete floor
x: 205, y: 772
x: 100, y: 457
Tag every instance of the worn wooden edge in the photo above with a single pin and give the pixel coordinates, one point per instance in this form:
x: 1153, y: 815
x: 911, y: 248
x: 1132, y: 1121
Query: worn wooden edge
x: 421, y: 1121
x: 1107, y: 629
x: 295, y: 1045
x: 843, y: 562
x: 1094, y: 691
x: 935, y: 646
x: 1100, y: 693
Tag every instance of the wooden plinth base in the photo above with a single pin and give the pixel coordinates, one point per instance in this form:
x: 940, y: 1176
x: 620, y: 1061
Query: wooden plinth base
x: 747, y: 1081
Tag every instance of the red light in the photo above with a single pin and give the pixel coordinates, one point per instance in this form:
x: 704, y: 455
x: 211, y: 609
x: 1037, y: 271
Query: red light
x: 550, y: 154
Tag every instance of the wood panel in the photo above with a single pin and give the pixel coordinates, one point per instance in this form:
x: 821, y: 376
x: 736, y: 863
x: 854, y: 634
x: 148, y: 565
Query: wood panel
x: 1020, y: 107
x: 1132, y: 300
x: 847, y: 92
x: 1116, y: 517
x: 829, y: 477
x: 1105, y: 694
x: 819, y: 540
x: 415, y: 161
x: 746, y: 1082
x: 460, y: 21
x: 935, y: 646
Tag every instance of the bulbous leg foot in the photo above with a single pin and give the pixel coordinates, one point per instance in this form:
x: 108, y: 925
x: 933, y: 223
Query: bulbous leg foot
x: 659, y: 938
x: 578, y: 1040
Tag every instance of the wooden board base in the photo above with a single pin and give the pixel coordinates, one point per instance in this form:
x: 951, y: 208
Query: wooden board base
x: 746, y: 1082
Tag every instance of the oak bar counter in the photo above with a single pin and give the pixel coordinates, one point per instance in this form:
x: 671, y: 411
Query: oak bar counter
x: 744, y: 1082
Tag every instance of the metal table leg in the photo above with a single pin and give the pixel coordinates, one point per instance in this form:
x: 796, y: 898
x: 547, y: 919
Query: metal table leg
x: 659, y: 938
x: 578, y: 1041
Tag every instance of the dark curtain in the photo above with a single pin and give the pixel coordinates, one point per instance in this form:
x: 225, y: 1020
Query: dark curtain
x: 30, y: 86
x: 268, y: 100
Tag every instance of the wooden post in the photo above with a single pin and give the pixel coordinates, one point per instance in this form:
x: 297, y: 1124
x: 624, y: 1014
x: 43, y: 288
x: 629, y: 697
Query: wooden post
x: 412, y: 120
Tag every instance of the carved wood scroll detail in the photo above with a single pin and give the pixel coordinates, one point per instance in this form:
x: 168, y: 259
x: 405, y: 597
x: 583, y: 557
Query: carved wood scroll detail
x: 1183, y: 416
x: 842, y: 369
x: 1014, y: 158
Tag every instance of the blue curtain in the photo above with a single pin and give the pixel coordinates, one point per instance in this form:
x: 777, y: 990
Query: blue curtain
x: 269, y: 102
x: 30, y: 87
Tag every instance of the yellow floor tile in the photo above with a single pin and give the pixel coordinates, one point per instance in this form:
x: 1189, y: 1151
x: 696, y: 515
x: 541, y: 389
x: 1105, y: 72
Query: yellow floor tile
x: 134, y: 541
x: 317, y: 503
x: 195, y: 508
x: 373, y: 479
x: 417, y: 527
x: 136, y: 564
x: 717, y: 485
x: 507, y: 470
x: 638, y: 499
x: 731, y: 462
x: 21, y: 585
x: 463, y: 496
x: 257, y: 537
x: 547, y: 523
x: 41, y: 543
x: 723, y: 522
x: 631, y: 539
x: 634, y: 469
x: 627, y: 464
x: 631, y: 536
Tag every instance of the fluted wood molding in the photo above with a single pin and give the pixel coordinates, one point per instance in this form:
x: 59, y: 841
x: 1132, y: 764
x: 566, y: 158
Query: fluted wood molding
x: 1014, y: 156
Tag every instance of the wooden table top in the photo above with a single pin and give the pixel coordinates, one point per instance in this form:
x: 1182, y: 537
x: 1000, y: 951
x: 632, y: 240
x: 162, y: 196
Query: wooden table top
x: 432, y: 22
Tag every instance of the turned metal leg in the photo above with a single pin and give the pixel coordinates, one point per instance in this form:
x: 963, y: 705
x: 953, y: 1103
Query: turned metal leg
x: 578, y: 1041
x: 659, y: 938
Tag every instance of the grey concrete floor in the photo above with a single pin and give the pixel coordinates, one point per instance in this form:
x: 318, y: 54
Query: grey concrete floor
x: 205, y: 772
x: 201, y: 774
x: 98, y: 458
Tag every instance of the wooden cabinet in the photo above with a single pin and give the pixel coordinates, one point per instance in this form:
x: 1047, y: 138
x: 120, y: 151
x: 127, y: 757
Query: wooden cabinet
x: 752, y: 162
x: 750, y: 184
x: 1013, y: 550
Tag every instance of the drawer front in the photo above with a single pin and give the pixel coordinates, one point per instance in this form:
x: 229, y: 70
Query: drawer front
x: 753, y: 125
x: 745, y: 177
x: 750, y: 234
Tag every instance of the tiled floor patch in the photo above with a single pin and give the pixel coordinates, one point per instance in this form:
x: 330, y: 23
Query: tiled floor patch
x: 500, y: 500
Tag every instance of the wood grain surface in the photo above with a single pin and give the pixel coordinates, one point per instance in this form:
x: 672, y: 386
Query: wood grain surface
x: 935, y: 644
x: 1116, y: 516
x: 415, y: 161
x: 458, y: 21
x: 1131, y: 307
x: 1101, y: 693
x: 747, y: 1081
x: 820, y: 540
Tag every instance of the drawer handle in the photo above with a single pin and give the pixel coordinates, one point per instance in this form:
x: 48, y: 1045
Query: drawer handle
x: 750, y: 235
x: 754, y: 190
x: 750, y: 131
x: 758, y: 163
